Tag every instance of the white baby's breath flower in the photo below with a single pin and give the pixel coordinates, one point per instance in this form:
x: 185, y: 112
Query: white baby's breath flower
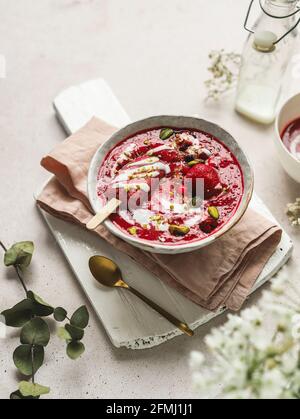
x: 289, y: 361
x: 273, y: 383
x: 293, y: 213
x: 215, y: 340
x: 202, y: 382
x: 239, y: 395
x: 261, y: 340
x: 236, y: 374
x: 296, y: 320
x: 224, y: 71
x: 276, y: 307
x: 257, y: 353
x: 253, y: 315
x: 196, y: 360
x: 234, y: 322
x: 279, y: 284
x: 294, y: 387
x: 296, y: 327
x: 198, y: 380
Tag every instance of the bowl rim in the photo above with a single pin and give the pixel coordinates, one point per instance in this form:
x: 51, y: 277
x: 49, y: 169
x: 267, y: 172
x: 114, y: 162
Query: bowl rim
x: 278, y: 133
x: 157, y: 247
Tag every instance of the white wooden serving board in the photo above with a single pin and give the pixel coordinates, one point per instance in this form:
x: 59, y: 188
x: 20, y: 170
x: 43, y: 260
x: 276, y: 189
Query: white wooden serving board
x: 128, y: 322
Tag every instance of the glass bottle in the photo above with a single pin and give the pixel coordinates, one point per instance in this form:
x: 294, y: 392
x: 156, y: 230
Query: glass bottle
x: 265, y: 59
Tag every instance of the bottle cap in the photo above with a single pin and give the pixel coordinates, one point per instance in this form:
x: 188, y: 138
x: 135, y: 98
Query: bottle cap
x: 264, y: 41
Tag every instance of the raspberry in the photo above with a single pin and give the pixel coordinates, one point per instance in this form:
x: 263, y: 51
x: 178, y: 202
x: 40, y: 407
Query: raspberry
x: 208, y: 174
x: 208, y: 225
x: 168, y: 156
x: 140, y: 151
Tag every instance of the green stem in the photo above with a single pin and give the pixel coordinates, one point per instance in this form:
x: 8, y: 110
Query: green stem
x: 32, y: 363
x: 17, y: 269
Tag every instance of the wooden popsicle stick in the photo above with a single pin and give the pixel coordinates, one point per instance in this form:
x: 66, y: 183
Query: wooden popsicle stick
x: 103, y: 214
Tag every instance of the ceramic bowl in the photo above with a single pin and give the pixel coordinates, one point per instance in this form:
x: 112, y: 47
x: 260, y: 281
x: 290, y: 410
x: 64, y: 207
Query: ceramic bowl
x: 172, y: 122
x: 288, y: 113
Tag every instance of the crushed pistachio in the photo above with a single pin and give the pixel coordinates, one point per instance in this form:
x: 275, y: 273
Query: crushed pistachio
x: 179, y: 230
x: 166, y: 133
x: 132, y: 231
x: 156, y: 217
x: 214, y: 212
x: 195, y: 162
x: 293, y: 213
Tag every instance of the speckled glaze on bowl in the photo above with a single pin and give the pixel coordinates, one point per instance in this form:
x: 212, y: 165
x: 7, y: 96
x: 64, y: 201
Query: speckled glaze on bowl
x: 172, y: 122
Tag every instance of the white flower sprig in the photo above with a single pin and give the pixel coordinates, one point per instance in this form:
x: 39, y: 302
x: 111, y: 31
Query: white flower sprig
x: 293, y: 212
x: 224, y: 70
x: 257, y: 354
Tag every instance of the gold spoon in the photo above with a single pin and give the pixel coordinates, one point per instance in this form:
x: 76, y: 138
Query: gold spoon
x: 107, y: 273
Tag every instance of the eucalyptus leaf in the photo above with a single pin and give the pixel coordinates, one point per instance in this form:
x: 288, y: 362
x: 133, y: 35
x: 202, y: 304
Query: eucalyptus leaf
x: 75, y: 332
x: 19, y: 315
x: 60, y: 314
x: 34, y: 390
x: 20, y: 254
x: 42, y: 311
x: 28, y: 359
x: 63, y: 334
x: 75, y: 350
x: 17, y: 395
x: 40, y: 307
x: 80, y: 318
x: 166, y: 133
x: 35, y: 332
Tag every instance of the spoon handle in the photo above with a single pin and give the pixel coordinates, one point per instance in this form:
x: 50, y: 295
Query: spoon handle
x: 103, y: 214
x: 180, y: 325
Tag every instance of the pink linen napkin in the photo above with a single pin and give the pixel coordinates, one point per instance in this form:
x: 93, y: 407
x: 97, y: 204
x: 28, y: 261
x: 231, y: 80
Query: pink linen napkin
x: 220, y: 275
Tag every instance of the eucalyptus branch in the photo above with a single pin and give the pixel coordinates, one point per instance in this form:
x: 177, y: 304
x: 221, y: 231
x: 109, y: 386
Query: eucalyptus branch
x: 28, y: 315
x: 17, y: 269
x: 32, y: 363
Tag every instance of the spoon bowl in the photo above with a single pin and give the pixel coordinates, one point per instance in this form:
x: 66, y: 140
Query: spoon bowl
x: 107, y: 273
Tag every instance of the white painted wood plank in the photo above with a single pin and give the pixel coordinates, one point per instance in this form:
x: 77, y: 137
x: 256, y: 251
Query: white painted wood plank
x: 128, y: 322
x: 78, y: 104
